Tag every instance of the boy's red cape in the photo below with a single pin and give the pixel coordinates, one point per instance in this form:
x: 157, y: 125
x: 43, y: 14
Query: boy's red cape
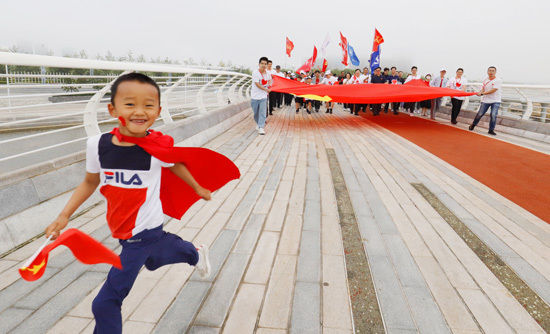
x: 85, y: 248
x: 210, y: 169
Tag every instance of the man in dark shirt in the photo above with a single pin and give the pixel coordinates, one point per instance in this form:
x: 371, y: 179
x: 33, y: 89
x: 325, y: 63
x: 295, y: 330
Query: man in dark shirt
x: 394, y: 79
x: 385, y: 75
x: 377, y: 78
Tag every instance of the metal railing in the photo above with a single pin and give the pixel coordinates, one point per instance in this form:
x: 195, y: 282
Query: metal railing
x: 526, y: 102
x: 46, y: 115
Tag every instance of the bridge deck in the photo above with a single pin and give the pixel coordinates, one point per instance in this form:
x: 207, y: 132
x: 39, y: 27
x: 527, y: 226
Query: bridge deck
x: 279, y: 246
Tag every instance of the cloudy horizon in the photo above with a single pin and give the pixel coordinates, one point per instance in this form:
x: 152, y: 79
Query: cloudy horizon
x: 429, y: 34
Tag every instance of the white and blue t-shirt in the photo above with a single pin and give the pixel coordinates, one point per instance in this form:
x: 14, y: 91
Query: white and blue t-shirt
x: 130, y: 182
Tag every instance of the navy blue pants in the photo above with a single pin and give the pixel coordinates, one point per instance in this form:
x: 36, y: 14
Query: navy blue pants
x: 153, y: 248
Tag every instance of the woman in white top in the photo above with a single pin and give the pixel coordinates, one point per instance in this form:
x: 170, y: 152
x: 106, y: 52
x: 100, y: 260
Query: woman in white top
x: 458, y: 83
x: 411, y: 106
x: 347, y: 81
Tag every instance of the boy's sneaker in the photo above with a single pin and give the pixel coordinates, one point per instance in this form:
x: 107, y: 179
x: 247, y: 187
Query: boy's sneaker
x: 257, y: 128
x: 203, y: 266
x: 261, y: 131
x: 492, y: 133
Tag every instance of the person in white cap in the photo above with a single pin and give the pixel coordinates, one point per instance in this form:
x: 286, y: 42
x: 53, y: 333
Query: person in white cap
x: 329, y: 79
x: 439, y: 81
x: 299, y: 101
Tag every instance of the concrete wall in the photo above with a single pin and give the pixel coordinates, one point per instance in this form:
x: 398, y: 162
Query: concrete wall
x: 523, y: 128
x: 32, y: 197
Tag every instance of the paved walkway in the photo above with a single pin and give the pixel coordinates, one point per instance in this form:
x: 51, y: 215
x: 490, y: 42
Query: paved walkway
x: 277, y: 252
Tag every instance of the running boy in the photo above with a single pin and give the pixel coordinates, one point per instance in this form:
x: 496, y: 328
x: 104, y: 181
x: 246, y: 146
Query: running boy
x: 130, y: 182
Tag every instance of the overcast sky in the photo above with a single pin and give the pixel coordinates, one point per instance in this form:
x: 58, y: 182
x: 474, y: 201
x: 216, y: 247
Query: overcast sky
x: 474, y: 34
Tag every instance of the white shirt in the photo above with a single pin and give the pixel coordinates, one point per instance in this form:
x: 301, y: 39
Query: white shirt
x: 458, y: 84
x: 347, y: 81
x: 364, y: 78
x: 329, y: 81
x: 316, y: 81
x: 263, y: 79
x: 487, y: 86
x: 130, y: 182
x: 357, y: 80
x: 413, y: 77
x: 279, y: 74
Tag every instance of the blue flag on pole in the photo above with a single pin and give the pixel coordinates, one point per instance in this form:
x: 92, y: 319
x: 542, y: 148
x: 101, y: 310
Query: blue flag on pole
x: 374, y: 60
x: 353, y: 56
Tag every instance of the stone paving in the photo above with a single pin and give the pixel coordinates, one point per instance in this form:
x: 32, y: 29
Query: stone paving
x: 277, y: 251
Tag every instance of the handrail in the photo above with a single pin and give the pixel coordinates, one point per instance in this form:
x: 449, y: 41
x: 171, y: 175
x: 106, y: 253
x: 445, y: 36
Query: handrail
x: 9, y: 58
x: 41, y: 115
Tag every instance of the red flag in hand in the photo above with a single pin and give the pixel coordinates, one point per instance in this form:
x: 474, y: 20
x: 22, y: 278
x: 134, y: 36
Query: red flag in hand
x: 325, y: 65
x: 85, y: 248
x: 289, y: 46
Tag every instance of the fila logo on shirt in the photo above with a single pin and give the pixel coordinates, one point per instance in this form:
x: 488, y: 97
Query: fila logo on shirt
x: 121, y: 177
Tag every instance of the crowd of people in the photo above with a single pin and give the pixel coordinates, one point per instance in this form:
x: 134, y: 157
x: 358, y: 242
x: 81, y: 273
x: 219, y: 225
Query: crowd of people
x: 263, y: 78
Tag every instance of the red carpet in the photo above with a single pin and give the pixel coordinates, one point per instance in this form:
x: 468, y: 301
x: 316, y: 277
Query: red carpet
x: 517, y: 173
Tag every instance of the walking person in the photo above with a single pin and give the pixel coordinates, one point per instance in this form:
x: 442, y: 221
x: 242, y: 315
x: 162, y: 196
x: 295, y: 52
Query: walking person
x: 394, y: 79
x: 259, y: 93
x: 458, y: 83
x: 377, y: 78
x: 278, y: 96
x: 329, y: 80
x: 426, y: 104
x: 272, y: 96
x: 441, y: 81
x: 411, y: 106
x: 491, y: 97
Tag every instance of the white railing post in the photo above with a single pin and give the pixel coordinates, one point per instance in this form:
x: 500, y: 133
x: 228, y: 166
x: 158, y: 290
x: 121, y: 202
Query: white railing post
x: 219, y: 93
x: 8, y: 86
x: 200, y: 101
x: 165, y: 111
x: 240, y: 95
x: 527, y: 114
x: 231, y: 93
x: 90, y: 113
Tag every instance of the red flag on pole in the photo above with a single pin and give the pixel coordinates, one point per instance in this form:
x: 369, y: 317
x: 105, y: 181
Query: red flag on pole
x: 85, y: 248
x: 325, y: 65
x: 289, y: 46
x: 309, y: 63
x: 378, y: 39
x: 344, y: 45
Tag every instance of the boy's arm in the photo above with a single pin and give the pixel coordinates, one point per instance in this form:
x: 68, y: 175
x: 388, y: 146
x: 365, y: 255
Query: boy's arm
x: 80, y: 194
x: 183, y: 173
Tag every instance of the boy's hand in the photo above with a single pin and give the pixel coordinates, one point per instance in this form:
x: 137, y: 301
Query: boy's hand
x: 204, y: 193
x: 54, y: 228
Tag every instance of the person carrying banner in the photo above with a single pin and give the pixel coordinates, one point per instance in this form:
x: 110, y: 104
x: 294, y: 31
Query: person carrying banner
x: 357, y: 79
x: 394, y: 79
x: 329, y: 79
x: 377, y: 78
x: 491, y: 97
x: 278, y: 96
x: 259, y: 93
x: 441, y: 81
x: 316, y: 80
x: 129, y: 177
x: 411, y: 106
x: 299, y: 101
x: 459, y: 82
